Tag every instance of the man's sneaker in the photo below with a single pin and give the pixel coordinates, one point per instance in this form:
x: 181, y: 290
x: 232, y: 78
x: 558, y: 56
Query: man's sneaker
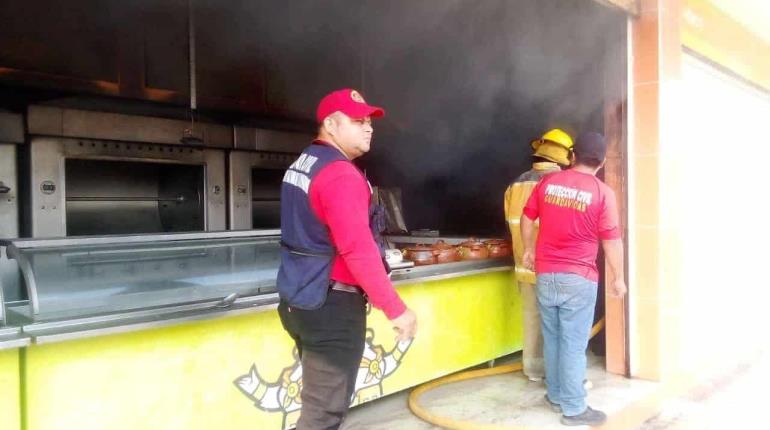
x: 534, y: 378
x: 554, y: 406
x: 589, y: 417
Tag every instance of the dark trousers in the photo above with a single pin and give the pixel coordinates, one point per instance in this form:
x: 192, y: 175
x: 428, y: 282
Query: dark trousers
x: 330, y: 341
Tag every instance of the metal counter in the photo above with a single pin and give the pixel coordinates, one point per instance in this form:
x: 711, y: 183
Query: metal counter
x: 82, y: 287
x: 105, y: 284
x: 13, y: 337
x: 435, y: 272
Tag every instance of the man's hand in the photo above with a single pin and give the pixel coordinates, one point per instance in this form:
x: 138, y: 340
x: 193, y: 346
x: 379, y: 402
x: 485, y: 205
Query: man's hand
x: 618, y: 288
x: 528, y: 259
x: 405, y: 325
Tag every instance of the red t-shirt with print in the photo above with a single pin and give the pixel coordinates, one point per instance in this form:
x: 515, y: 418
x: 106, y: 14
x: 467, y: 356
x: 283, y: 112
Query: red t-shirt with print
x: 576, y: 211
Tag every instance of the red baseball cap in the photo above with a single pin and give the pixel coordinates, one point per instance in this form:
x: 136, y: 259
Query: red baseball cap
x: 349, y: 102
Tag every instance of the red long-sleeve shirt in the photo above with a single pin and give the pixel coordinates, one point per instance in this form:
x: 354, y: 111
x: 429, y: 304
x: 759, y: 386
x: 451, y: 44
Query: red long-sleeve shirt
x: 340, y: 197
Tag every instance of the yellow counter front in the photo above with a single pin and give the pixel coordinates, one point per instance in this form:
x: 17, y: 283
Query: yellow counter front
x: 10, y: 389
x: 241, y: 372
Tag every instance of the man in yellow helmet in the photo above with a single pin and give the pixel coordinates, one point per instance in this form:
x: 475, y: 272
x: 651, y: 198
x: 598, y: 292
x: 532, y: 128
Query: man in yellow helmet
x: 551, y: 152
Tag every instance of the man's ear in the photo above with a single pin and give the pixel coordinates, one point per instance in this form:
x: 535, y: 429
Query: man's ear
x: 328, y: 125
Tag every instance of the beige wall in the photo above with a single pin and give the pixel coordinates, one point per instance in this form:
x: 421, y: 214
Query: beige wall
x: 697, y: 217
x: 722, y: 216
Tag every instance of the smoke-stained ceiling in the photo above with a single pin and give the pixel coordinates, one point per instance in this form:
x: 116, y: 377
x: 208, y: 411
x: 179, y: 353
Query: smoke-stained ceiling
x: 466, y: 84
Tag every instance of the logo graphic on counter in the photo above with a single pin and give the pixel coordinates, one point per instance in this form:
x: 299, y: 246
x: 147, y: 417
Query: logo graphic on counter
x: 282, y: 395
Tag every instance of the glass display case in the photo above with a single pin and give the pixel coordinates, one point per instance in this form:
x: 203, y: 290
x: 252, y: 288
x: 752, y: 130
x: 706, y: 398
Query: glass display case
x: 11, y: 335
x: 94, y: 283
x: 86, y: 286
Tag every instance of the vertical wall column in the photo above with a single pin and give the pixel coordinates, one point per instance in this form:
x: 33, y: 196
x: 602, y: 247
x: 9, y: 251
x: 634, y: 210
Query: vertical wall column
x: 655, y: 55
x: 616, y: 176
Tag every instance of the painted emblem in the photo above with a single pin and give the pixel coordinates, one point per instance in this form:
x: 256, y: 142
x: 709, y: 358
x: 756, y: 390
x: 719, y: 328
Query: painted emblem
x: 356, y: 96
x: 282, y: 395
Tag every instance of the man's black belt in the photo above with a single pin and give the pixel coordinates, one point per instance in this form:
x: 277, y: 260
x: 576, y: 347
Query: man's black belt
x: 307, y: 252
x: 341, y: 286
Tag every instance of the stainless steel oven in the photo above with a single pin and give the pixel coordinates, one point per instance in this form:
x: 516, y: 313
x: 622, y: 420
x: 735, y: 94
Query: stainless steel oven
x: 256, y: 170
x: 11, y: 138
x: 94, y: 173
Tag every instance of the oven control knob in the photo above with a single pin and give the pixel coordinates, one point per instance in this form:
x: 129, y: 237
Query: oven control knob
x: 48, y: 187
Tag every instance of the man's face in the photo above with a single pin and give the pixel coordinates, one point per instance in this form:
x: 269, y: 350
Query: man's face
x: 354, y: 136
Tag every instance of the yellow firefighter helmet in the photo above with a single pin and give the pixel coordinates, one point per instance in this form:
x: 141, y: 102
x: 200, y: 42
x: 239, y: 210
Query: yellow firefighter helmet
x: 555, y: 145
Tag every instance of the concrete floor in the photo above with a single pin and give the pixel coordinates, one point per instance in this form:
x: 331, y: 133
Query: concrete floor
x: 730, y: 401
x: 504, y: 400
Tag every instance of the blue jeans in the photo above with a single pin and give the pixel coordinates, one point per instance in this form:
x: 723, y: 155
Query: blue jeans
x: 566, y: 303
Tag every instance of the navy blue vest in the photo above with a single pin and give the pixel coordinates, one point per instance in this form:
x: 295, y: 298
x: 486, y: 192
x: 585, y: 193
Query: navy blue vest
x: 307, y: 252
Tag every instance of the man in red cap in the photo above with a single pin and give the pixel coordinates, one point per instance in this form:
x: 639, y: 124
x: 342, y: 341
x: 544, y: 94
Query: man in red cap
x: 330, y: 263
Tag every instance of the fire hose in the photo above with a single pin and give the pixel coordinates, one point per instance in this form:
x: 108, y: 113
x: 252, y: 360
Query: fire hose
x: 454, y: 424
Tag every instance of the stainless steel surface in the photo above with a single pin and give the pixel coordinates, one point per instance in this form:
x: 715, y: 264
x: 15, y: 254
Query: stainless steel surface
x: 27, y: 274
x: 259, y: 139
x: 401, y: 265
x: 9, y: 204
x: 255, y: 188
x: 99, y: 169
x: 216, y: 216
x: 435, y: 272
x: 58, y: 122
x: 15, y: 342
x: 191, y: 53
x: 11, y: 128
x: 227, y: 301
x: 46, y: 187
x: 144, y: 315
x: 10, y: 278
x: 390, y: 199
x: 6, y: 332
x: 2, y: 305
x: 179, y: 199
x: 135, y: 238
x: 12, y: 337
x: 430, y: 239
x: 124, y: 326
x: 9, y: 217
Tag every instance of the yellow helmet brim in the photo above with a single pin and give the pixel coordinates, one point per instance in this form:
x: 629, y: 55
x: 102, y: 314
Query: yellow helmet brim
x: 553, y: 152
